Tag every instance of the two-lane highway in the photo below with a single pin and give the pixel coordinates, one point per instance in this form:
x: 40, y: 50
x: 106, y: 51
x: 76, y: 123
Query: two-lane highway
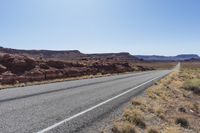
x: 68, y: 106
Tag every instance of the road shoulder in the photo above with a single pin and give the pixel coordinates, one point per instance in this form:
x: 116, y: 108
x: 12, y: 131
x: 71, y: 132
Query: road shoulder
x: 167, y: 107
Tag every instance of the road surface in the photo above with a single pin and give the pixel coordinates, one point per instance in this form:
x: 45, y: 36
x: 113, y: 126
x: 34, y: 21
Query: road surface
x: 68, y: 106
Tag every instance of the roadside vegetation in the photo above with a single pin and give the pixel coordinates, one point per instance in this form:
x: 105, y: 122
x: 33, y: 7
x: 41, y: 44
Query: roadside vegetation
x: 172, y: 105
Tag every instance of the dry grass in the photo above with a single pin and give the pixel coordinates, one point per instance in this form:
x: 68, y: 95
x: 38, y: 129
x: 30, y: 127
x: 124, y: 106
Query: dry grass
x: 135, y: 116
x: 170, y: 106
x: 138, y: 102
x: 172, y: 129
x: 123, y: 127
x: 193, y: 85
x: 153, y: 129
x: 190, y: 65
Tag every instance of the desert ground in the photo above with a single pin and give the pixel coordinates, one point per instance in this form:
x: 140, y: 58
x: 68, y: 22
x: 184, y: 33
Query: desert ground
x: 171, y: 105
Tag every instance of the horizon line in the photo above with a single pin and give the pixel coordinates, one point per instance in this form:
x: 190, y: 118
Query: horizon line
x: 25, y: 49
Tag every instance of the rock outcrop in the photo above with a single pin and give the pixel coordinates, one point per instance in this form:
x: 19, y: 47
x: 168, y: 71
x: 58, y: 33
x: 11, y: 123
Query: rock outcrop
x: 2, y: 69
x: 17, y: 64
x: 8, y: 78
x: 21, y: 66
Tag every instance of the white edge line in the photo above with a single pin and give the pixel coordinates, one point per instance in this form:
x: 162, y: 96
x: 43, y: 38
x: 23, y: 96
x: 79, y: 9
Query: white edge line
x: 96, y: 106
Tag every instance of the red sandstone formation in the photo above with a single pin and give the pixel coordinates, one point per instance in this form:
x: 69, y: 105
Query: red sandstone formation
x: 21, y: 66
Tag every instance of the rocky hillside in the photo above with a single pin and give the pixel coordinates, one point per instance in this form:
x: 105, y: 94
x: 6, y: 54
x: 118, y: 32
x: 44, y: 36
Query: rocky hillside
x: 46, y: 54
x: 21, y: 66
x: 68, y: 55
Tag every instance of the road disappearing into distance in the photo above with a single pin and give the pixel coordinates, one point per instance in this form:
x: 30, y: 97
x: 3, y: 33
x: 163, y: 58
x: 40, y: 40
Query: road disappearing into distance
x: 69, y: 106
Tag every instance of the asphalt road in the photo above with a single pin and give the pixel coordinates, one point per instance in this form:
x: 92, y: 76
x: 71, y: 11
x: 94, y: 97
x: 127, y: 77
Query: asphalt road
x: 68, y: 106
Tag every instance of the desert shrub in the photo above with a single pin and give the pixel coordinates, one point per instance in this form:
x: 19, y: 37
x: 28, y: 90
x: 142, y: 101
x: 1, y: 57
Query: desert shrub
x: 158, y: 109
x: 193, y: 85
x: 138, y: 101
x: 151, y: 93
x: 135, y: 116
x: 195, y: 107
x: 152, y: 130
x: 123, y: 127
x: 182, y: 122
x: 182, y: 109
x: 160, y: 93
x: 172, y: 130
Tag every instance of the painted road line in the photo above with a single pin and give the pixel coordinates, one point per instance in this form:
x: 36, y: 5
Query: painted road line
x: 94, y: 107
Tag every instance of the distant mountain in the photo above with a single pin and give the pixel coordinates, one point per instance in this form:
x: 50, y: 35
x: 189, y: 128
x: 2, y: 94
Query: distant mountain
x: 187, y: 56
x: 180, y: 57
x: 194, y: 60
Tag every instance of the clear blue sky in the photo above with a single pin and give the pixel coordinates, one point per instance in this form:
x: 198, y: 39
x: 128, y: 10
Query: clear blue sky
x: 164, y: 27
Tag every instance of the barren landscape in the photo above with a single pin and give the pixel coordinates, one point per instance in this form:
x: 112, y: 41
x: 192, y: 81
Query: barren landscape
x: 171, y: 105
x: 100, y: 66
x: 26, y: 67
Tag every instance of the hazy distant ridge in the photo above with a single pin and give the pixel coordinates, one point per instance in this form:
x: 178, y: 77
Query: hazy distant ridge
x: 180, y: 57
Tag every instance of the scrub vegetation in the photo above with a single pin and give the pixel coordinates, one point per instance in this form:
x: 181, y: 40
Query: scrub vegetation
x: 171, y: 105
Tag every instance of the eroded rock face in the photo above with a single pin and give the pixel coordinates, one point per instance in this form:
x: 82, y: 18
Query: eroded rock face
x: 35, y: 75
x: 111, y: 67
x: 53, y: 74
x: 44, y: 66
x: 8, y: 78
x: 2, y: 68
x: 17, y: 64
x: 74, y: 72
x: 18, y: 68
x: 56, y: 64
